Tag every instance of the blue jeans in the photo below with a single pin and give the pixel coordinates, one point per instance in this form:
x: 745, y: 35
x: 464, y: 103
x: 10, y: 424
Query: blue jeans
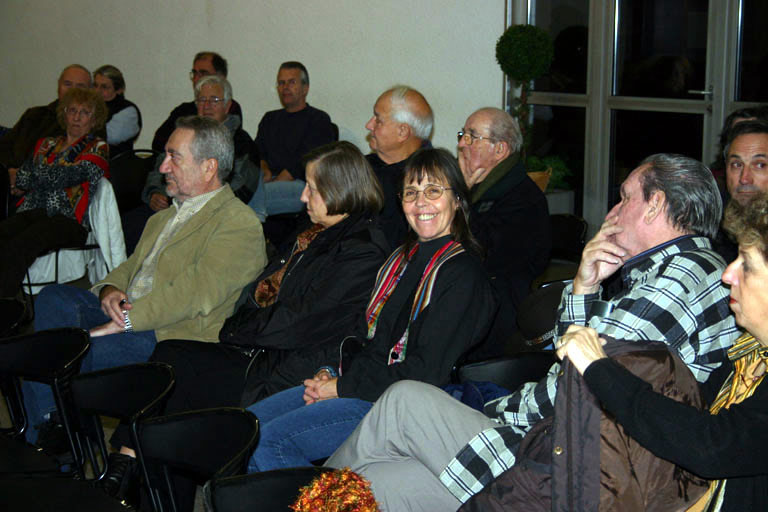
x: 292, y: 434
x: 276, y: 197
x: 67, y: 306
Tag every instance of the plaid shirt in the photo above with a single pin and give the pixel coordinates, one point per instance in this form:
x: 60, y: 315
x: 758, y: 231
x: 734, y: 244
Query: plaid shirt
x: 671, y: 293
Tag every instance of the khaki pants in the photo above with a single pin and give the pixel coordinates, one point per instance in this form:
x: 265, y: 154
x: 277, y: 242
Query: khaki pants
x: 404, y: 443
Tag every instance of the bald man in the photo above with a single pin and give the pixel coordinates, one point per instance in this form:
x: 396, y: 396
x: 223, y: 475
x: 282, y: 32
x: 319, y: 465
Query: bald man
x: 401, y: 123
x: 38, y: 122
x: 509, y: 216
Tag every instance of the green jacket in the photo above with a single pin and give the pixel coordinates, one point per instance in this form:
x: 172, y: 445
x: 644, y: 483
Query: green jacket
x: 199, y: 274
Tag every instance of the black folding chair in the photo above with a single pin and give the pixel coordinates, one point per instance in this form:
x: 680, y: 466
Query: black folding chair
x: 204, y: 444
x: 509, y: 372
x: 128, y: 393
x: 272, y: 491
x: 52, y: 357
x: 128, y: 172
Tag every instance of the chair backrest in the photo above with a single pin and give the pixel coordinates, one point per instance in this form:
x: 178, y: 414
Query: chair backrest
x: 207, y: 443
x: 569, y: 234
x: 509, y: 372
x: 128, y: 173
x: 273, y: 491
x: 123, y: 392
x: 12, y: 312
x: 128, y: 393
x: 44, y: 355
x: 53, y: 357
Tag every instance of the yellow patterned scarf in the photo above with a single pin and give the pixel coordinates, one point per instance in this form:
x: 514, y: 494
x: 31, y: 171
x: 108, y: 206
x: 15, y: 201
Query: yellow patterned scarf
x: 749, y: 364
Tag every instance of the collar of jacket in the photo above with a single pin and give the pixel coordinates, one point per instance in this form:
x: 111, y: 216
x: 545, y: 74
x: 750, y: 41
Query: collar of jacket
x: 638, y: 265
x: 511, y: 170
x: 198, y: 219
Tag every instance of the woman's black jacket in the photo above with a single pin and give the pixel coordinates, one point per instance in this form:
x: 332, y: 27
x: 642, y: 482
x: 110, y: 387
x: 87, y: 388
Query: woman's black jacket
x: 322, y: 298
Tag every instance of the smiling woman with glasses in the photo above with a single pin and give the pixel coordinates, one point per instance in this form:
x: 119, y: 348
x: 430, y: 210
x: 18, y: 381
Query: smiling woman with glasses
x: 413, y: 328
x: 53, y: 188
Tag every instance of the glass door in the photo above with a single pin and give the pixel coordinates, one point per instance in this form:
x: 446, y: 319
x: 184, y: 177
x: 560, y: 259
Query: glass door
x: 637, y: 77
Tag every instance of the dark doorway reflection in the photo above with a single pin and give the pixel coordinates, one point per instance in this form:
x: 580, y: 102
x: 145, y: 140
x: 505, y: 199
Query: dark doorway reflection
x: 753, y: 61
x: 566, y: 22
x: 638, y: 134
x: 661, y: 48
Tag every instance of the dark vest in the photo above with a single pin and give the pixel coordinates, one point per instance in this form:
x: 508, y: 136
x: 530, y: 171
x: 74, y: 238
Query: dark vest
x: 115, y: 105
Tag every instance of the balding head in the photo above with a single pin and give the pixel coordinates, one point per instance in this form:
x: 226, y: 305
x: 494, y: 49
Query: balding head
x: 490, y: 136
x: 73, y: 75
x: 401, y: 120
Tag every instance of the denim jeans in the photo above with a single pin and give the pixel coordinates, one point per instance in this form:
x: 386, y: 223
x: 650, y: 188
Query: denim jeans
x: 276, y: 197
x: 292, y: 434
x: 67, y: 306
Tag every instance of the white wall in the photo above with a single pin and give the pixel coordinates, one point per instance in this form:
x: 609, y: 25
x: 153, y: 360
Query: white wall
x: 353, y: 49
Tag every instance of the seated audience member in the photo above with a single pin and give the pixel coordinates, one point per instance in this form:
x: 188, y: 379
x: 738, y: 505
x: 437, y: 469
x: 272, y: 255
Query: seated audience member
x: 723, y: 445
x: 509, y: 215
x: 657, y: 238
x: 213, y: 95
x: 746, y: 156
x: 124, y: 119
x: 18, y: 143
x: 284, y: 136
x: 204, y: 64
x: 401, y: 124
x: 295, y: 309
x: 182, y: 281
x: 718, y: 167
x: 416, y: 323
x: 53, y: 188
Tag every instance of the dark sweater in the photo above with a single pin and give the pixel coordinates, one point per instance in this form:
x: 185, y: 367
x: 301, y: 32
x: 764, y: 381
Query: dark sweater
x: 510, y: 218
x: 285, y: 137
x: 436, y: 339
x: 732, y: 444
x: 391, y: 216
x: 19, y: 142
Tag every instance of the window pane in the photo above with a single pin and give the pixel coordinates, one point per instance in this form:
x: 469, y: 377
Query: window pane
x: 753, y: 82
x: 636, y: 135
x: 566, y: 21
x: 559, y: 131
x: 662, y: 48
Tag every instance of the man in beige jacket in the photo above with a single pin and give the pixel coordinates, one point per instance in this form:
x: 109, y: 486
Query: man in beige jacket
x: 185, y: 276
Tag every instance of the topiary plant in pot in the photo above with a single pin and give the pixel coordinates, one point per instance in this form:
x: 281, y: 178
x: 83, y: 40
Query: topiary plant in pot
x: 524, y: 53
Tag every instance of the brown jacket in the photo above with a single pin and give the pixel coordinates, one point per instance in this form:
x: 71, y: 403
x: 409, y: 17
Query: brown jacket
x: 581, y: 459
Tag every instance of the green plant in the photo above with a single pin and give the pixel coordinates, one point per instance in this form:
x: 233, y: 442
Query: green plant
x: 560, y: 170
x: 524, y: 53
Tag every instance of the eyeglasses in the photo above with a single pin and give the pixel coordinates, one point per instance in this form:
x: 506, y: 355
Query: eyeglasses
x: 213, y: 100
x: 199, y: 73
x: 469, y: 137
x: 283, y: 83
x: 74, y: 111
x: 431, y: 192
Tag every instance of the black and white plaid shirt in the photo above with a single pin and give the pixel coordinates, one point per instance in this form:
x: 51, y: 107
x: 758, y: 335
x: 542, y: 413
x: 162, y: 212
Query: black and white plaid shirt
x: 671, y: 293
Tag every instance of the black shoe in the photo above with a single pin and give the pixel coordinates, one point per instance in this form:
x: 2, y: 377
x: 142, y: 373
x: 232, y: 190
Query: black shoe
x: 52, y: 438
x: 121, y: 480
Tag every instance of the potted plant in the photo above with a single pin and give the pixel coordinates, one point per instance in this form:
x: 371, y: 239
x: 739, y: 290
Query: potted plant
x: 524, y: 53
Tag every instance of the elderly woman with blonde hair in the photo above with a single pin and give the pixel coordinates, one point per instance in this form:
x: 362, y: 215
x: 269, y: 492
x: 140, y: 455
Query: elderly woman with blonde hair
x: 53, y: 188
